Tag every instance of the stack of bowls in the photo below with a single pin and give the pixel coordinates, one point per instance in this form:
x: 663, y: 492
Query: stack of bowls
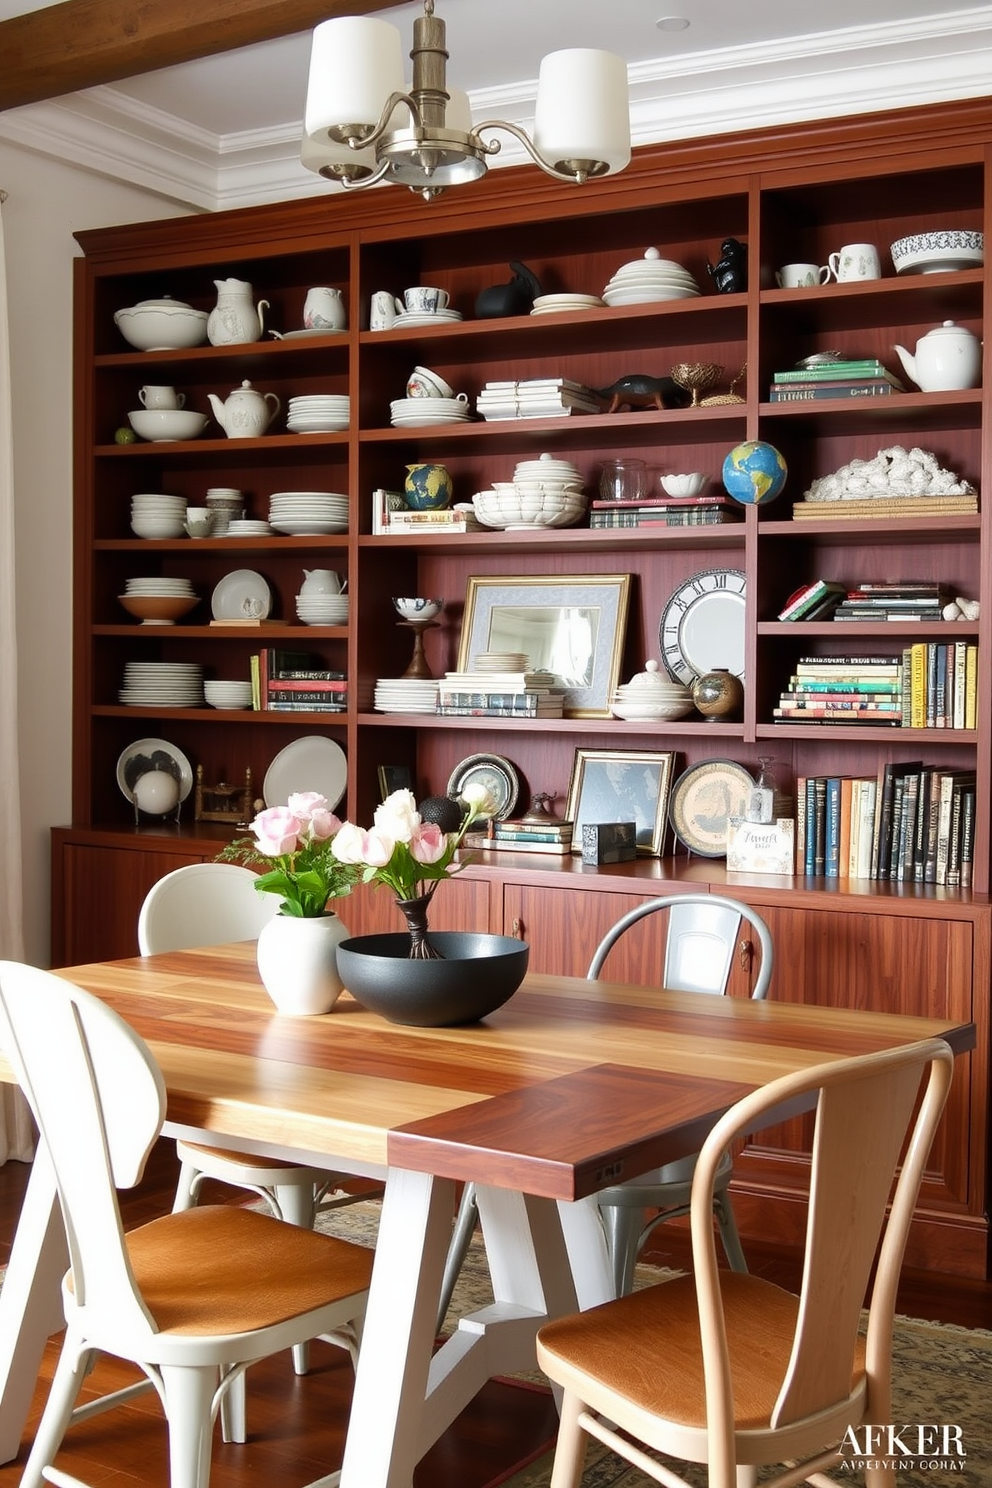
x: 227, y: 505
x: 154, y: 515
x: 158, y: 601
x: 546, y: 492
x: 319, y: 413
x: 649, y: 697
x: 646, y: 280
x: 322, y: 609
x: 227, y: 694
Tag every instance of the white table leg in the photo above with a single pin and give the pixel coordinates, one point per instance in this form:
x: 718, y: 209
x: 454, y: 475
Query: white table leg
x: 30, y: 1302
x: 588, y: 1255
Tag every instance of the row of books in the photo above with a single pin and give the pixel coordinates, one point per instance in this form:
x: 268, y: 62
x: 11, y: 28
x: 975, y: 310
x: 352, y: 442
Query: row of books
x: 922, y: 600
x: 500, y: 695
x: 549, y: 836
x: 930, y: 684
x: 672, y: 511
x: 295, y: 682
x: 392, y: 517
x: 855, y: 378
x: 912, y: 823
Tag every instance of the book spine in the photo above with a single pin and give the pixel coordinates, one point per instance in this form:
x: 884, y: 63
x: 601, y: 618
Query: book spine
x: 805, y: 685
x: 918, y: 685
x: 839, y: 702
x: 863, y: 366
x: 505, y: 835
x: 960, y: 649
x: 866, y: 828
x: 846, y: 801
x: 944, y: 826
x: 806, y: 599
x: 307, y: 695
x: 931, y: 684
x: 256, y: 695
x: 831, y: 849
x: 820, y: 825
x: 301, y: 674
x: 307, y: 684
x: 812, y: 392
x: 919, y: 855
x: 809, y: 859
x: 800, y: 842
x: 967, y: 836
x: 971, y: 688
x: 311, y: 707
x: 940, y: 689
x: 953, y: 877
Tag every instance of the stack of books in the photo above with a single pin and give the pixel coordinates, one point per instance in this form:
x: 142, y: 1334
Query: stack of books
x: 942, y: 684
x: 487, y: 694
x: 909, y: 600
x: 912, y: 823
x: 549, y: 836
x: 815, y: 601
x: 296, y: 682
x: 854, y: 509
x: 392, y: 516
x: 862, y: 378
x: 665, y: 511
x: 844, y: 689
x: 540, y: 397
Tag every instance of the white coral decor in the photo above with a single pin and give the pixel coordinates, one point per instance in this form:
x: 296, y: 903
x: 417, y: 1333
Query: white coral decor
x: 893, y: 472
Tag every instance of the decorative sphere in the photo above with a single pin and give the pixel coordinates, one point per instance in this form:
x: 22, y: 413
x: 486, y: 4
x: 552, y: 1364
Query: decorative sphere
x: 718, y: 694
x: 427, y: 487
x: 156, y: 792
x: 443, y: 811
x: 754, y: 472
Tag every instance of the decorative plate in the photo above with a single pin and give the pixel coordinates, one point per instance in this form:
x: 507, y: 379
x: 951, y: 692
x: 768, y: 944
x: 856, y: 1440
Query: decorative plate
x: 494, y: 772
x: 703, y: 799
x: 153, y: 754
x: 702, y: 626
x: 312, y: 763
x: 243, y: 594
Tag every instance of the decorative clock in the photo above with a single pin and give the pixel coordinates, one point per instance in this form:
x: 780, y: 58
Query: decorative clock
x: 702, y: 625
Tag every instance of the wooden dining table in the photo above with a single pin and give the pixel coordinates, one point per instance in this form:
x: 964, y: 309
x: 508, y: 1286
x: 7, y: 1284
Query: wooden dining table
x: 571, y: 1086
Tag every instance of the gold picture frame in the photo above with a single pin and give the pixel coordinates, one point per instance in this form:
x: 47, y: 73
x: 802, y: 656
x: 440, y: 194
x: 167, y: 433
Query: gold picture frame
x: 613, y: 785
x: 574, y: 627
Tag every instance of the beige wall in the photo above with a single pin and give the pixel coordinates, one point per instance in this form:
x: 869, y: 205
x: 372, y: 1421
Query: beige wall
x: 46, y: 203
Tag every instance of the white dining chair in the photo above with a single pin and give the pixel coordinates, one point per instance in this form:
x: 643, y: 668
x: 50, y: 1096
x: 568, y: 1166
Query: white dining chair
x: 703, y: 939
x: 192, y: 1298
x: 731, y: 1371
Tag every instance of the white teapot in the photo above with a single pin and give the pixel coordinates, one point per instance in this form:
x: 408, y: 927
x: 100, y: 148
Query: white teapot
x: 246, y: 413
x: 234, y: 318
x: 947, y: 358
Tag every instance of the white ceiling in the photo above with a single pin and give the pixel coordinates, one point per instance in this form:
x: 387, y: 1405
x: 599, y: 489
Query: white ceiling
x: 225, y: 130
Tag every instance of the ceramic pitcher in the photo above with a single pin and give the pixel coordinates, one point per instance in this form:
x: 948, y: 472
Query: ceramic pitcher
x: 234, y: 318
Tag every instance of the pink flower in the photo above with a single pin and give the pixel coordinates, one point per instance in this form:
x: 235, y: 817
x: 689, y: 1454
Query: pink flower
x: 428, y: 844
x: 323, y: 824
x: 304, y: 803
x: 277, y: 831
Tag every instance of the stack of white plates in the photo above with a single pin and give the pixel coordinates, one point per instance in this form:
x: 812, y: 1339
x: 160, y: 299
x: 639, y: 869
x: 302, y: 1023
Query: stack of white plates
x: 245, y: 527
x: 549, y: 469
x: 173, y: 588
x: 227, y: 694
x: 416, y: 412
x: 500, y: 661
x: 419, y: 318
x: 308, y: 513
x: 154, y: 515
x: 649, y: 279
x: 162, y: 684
x: 319, y: 413
x: 551, y: 304
x: 405, y: 695
x: 322, y: 609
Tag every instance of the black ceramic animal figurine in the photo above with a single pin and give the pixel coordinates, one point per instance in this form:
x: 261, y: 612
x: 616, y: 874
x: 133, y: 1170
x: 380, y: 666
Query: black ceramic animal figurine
x: 515, y: 298
x: 640, y: 391
x: 730, y: 273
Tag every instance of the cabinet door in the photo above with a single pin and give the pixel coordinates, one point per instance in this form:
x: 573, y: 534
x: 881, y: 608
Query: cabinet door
x: 101, y: 894
x: 458, y: 904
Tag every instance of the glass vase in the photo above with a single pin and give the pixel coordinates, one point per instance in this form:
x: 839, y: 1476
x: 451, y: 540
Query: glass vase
x: 415, y: 914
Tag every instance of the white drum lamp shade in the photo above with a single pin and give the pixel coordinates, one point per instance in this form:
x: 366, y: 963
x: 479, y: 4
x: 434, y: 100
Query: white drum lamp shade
x: 356, y: 62
x: 583, y: 108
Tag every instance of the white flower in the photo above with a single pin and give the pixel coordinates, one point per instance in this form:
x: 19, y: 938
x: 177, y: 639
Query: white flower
x: 398, y: 816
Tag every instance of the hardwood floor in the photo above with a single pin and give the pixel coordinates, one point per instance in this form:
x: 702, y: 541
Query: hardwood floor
x: 296, y: 1426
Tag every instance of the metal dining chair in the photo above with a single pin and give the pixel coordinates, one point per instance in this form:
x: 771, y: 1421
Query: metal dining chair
x: 732, y: 1371
x: 192, y: 1298
x: 702, y: 942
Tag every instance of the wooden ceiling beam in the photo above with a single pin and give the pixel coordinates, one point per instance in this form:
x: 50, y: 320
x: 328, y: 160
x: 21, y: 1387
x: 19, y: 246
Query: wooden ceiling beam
x: 82, y: 43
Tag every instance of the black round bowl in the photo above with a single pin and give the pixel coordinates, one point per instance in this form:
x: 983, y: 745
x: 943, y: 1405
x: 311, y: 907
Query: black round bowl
x: 477, y: 974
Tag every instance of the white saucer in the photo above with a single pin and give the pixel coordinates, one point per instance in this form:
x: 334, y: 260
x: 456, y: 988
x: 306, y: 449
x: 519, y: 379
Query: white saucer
x: 415, y: 318
x: 312, y: 763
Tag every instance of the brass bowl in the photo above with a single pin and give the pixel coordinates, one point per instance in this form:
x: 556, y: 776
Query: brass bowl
x: 696, y: 377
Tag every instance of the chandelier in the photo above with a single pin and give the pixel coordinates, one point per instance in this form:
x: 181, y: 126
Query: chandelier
x: 363, y: 125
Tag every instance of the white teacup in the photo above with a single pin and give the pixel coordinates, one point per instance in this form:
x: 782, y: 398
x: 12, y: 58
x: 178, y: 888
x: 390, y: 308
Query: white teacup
x: 161, y: 397
x: 801, y: 275
x: 855, y: 261
x: 423, y: 300
x: 423, y: 383
x: 199, y: 521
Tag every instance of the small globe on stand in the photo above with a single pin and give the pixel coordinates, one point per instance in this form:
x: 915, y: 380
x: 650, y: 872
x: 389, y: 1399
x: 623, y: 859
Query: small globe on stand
x: 754, y: 472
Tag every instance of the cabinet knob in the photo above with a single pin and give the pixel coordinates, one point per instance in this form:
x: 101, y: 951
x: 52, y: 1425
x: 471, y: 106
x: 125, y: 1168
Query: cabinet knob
x: 517, y: 928
x: 744, y: 952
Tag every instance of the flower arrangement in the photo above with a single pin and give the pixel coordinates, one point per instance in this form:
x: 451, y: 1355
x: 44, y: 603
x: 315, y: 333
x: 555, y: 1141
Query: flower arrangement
x: 298, y: 841
x: 409, y: 855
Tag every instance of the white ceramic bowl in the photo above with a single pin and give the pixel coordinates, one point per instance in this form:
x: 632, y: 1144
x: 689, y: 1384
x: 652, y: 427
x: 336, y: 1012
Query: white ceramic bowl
x: 502, y: 508
x: 650, y: 712
x: 953, y: 248
x: 157, y: 527
x: 221, y: 694
x: 162, y: 325
x: 160, y: 424
x: 684, y: 485
x: 418, y: 609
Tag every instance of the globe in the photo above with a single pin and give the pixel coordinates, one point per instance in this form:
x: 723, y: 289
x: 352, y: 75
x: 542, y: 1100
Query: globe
x: 754, y: 472
x: 427, y: 487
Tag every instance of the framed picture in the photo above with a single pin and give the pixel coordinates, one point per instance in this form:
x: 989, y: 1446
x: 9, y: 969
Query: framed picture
x: 573, y: 627
x: 611, y: 785
x: 394, y: 778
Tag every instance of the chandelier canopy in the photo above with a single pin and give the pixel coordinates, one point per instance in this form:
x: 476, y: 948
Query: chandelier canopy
x: 364, y: 125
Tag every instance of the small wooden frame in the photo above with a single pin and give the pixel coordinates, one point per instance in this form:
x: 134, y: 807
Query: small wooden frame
x: 223, y: 802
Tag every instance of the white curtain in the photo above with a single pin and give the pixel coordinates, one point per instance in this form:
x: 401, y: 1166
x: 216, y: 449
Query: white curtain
x: 16, y: 1130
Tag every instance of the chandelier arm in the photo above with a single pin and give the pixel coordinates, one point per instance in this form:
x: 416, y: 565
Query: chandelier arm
x: 359, y: 139
x: 582, y: 168
x: 371, y: 178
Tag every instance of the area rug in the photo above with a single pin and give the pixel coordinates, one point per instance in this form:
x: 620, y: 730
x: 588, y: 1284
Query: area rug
x: 941, y: 1374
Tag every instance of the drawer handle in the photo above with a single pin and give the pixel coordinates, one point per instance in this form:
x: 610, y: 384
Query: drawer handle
x: 517, y: 928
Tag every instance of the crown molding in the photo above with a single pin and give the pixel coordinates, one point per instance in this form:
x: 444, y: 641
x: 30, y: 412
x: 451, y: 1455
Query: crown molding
x: 824, y: 75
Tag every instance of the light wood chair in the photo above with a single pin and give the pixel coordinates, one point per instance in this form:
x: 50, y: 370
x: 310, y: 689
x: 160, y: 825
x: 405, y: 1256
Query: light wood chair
x: 702, y: 942
x: 192, y: 1298
x: 725, y: 1368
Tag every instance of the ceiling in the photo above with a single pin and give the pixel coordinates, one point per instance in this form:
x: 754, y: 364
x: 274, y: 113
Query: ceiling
x: 213, y: 117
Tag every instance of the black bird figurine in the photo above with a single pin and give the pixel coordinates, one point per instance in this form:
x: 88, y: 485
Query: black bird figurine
x: 730, y: 273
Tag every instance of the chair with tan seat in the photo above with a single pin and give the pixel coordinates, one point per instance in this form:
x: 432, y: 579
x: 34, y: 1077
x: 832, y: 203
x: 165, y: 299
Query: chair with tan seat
x: 703, y: 938
x: 192, y: 1298
x: 727, y: 1369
